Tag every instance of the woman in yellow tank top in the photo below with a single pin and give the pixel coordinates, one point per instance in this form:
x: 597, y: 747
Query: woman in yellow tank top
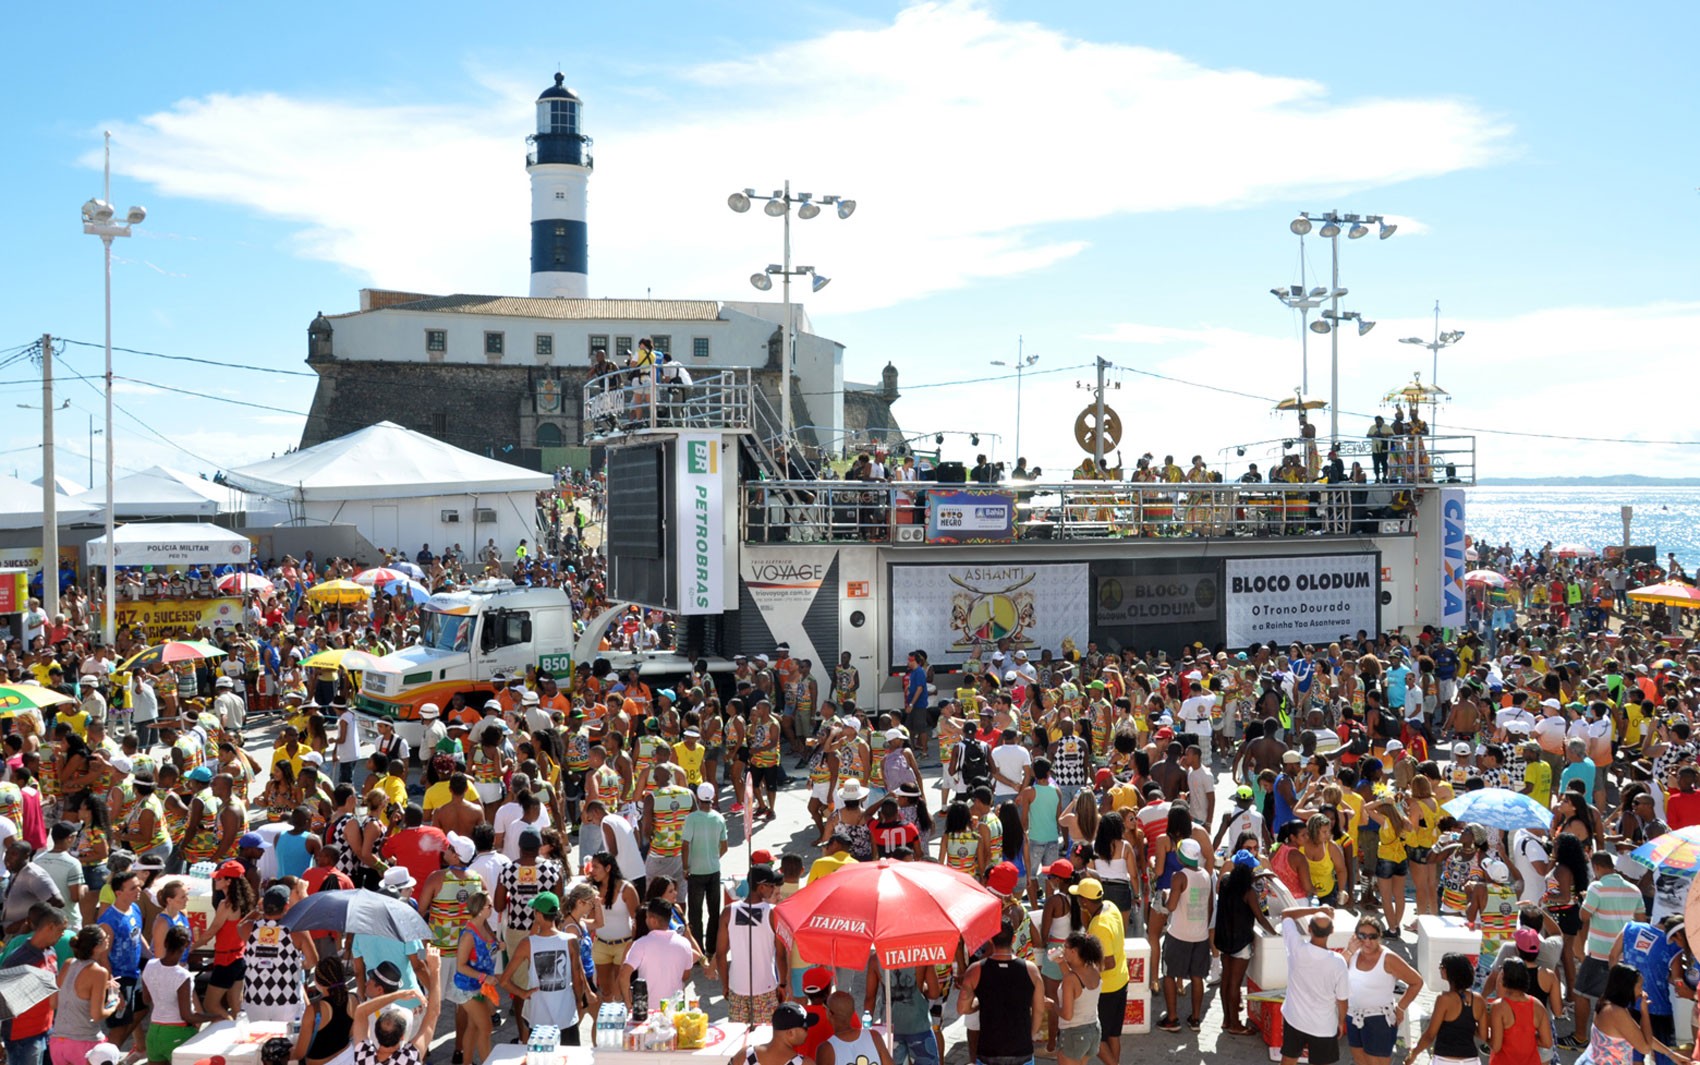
x: 1323, y: 859
x: 1392, y: 865
x: 1424, y: 816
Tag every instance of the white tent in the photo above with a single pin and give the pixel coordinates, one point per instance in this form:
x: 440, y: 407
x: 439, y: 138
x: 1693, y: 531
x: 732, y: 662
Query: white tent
x: 160, y: 492
x: 402, y: 489
x: 171, y: 544
x: 66, y: 486
x: 20, y: 506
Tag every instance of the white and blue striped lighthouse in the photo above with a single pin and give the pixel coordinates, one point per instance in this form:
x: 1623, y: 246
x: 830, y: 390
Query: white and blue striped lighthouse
x: 559, y: 165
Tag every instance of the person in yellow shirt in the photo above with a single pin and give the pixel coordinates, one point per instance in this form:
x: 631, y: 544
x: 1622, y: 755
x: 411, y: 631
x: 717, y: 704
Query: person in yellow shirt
x: 688, y: 754
x: 1537, y: 775
x: 393, y: 784
x: 289, y: 749
x: 78, y: 721
x: 438, y: 794
x: 835, y: 857
x: 1105, y: 922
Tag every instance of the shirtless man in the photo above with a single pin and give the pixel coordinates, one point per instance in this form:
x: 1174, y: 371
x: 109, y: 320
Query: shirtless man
x: 461, y: 814
x: 1262, y: 753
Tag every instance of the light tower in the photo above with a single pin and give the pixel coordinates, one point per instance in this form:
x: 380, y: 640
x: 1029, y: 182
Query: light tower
x: 559, y: 164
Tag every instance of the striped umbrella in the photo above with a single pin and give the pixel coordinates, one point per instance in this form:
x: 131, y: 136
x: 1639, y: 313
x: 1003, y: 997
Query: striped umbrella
x: 1675, y: 852
x: 239, y: 583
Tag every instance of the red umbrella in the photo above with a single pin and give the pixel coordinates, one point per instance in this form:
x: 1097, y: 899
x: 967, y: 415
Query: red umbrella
x: 911, y: 913
x: 237, y: 583
x: 380, y: 575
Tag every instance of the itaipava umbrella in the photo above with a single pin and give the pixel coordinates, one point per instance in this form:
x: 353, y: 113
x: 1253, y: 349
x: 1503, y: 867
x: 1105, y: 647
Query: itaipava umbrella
x: 1675, y: 852
x: 1484, y: 578
x: 360, y: 912
x: 377, y: 575
x: 15, y: 697
x: 908, y: 913
x: 1669, y: 593
x: 172, y: 652
x: 239, y: 583
x: 339, y: 593
x: 1499, y: 808
x: 23, y: 986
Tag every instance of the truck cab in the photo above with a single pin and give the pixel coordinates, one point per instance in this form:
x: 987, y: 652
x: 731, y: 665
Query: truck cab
x: 465, y: 638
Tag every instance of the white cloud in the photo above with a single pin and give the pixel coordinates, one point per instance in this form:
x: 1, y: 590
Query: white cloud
x: 967, y: 139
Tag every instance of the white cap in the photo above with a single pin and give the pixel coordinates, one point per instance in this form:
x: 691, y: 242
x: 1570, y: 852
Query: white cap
x: 312, y: 758
x: 1460, y: 750
x: 492, y: 704
x: 893, y: 736
x: 1021, y: 656
x: 1395, y: 745
x: 1010, y: 675
x: 104, y: 1054
x: 1552, y: 704
x: 1496, y: 871
x: 430, y: 712
x: 463, y: 847
x: 122, y: 764
x: 997, y: 656
x: 222, y: 682
x: 706, y: 792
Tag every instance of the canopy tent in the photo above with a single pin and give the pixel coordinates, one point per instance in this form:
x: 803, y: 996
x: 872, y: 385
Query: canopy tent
x: 66, y: 486
x: 20, y: 506
x: 171, y: 544
x: 160, y: 492
x: 401, y: 489
x: 383, y: 461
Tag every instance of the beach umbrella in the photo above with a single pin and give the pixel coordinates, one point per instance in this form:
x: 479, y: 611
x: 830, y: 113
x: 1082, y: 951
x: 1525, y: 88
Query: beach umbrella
x: 23, y: 986
x: 239, y: 583
x: 1484, y: 578
x: 339, y: 593
x: 1666, y: 663
x: 1677, y: 851
x: 410, y: 569
x: 409, y: 587
x: 909, y: 913
x: 377, y: 575
x: 171, y: 653
x: 15, y: 697
x: 357, y: 912
x: 1499, y: 808
x: 341, y: 658
x: 1574, y: 551
x: 1669, y: 593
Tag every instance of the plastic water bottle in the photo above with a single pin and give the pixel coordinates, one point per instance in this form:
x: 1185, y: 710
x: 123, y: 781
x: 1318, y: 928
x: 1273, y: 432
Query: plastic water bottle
x: 242, y: 1026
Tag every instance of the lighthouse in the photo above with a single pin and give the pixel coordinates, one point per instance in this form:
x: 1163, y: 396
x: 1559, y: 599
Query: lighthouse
x: 559, y: 164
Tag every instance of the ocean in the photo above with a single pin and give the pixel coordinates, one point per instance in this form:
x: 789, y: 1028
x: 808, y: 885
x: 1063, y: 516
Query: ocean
x: 1529, y: 516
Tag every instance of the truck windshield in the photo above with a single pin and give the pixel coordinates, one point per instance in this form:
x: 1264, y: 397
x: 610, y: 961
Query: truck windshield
x: 445, y: 632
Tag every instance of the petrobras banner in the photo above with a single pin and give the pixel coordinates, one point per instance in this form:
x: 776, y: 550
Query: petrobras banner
x: 699, y: 525
x: 970, y: 516
x: 1452, y: 562
x: 1126, y: 599
x: 949, y: 610
x: 1310, y: 598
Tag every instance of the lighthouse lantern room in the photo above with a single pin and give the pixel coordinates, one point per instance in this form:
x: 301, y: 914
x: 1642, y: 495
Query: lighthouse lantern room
x: 559, y: 164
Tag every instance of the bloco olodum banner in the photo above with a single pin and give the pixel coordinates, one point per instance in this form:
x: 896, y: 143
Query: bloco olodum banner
x: 1308, y: 598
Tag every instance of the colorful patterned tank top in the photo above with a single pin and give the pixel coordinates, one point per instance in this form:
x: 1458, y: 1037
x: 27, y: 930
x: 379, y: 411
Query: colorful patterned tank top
x: 759, y: 735
x: 962, y: 851
x: 204, y: 844
x: 672, y: 806
x: 161, y: 834
x: 176, y: 821
x: 446, y: 913
x: 93, y: 846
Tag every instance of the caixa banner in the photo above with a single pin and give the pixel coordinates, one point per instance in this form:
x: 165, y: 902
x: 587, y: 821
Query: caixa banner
x: 1309, y: 598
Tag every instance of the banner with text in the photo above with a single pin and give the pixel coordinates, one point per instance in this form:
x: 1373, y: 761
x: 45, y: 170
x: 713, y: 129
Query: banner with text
x: 169, y: 618
x: 1453, y: 544
x: 970, y: 516
x: 784, y: 582
x: 950, y: 610
x: 1311, y: 598
x: 699, y: 526
x: 1177, y: 598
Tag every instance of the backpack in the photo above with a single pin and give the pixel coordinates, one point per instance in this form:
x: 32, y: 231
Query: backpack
x: 976, y: 769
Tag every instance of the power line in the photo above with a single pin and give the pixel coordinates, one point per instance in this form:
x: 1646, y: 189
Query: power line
x: 190, y: 358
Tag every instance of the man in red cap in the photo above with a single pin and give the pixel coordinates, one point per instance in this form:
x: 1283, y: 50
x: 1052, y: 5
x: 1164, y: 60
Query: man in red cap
x: 817, y: 985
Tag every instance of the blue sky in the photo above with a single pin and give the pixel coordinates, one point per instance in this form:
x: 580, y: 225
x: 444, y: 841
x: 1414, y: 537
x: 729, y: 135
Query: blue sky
x: 1105, y: 180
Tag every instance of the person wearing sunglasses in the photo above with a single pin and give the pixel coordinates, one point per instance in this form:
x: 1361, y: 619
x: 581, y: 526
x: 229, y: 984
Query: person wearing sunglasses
x: 1374, y: 1009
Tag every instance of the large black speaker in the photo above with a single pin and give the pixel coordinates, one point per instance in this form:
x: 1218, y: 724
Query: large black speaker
x: 950, y: 473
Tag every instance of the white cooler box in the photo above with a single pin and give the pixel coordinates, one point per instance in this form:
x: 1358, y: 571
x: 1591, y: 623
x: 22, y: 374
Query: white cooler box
x: 1268, y: 968
x: 1136, y: 1019
x: 1141, y: 972
x: 1438, y: 937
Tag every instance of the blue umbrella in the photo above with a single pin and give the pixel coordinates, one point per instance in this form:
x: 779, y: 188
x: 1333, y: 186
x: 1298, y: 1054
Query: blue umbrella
x: 358, y: 912
x: 414, y: 589
x: 1499, y: 808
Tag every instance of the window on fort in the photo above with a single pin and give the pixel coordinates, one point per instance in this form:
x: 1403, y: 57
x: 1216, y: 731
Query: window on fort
x: 436, y: 340
x: 598, y: 342
x: 560, y: 196
x: 545, y: 343
x: 493, y: 344
x: 439, y: 422
x: 663, y: 344
x: 622, y: 348
x: 699, y: 347
x: 548, y: 435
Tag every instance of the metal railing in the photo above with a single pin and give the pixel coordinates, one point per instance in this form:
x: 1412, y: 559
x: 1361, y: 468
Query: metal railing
x: 1404, y: 459
x: 928, y: 512
x: 635, y: 401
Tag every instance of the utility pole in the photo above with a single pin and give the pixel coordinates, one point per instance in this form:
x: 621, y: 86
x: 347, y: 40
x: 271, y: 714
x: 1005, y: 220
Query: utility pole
x: 1098, y: 438
x: 49, y: 490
